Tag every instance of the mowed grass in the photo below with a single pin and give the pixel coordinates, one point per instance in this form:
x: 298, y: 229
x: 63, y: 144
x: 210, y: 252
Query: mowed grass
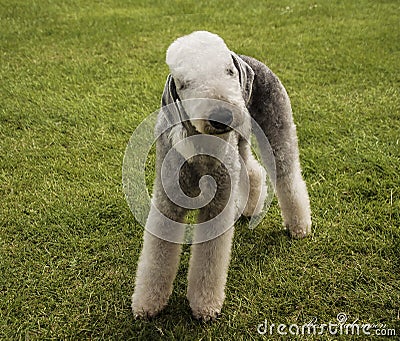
x: 76, y: 79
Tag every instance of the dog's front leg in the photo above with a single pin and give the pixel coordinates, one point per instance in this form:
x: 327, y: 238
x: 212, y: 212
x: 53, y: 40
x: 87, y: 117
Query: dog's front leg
x: 208, y: 269
x: 159, y: 260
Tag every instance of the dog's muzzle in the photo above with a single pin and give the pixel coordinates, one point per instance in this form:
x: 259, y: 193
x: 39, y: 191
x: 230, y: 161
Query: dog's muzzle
x: 220, y: 119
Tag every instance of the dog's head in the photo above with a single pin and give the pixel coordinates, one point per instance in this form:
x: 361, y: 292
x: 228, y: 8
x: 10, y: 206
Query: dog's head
x: 212, y: 83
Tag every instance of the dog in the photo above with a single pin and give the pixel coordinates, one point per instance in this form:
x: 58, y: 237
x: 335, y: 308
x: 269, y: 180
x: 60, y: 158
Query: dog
x: 212, y: 100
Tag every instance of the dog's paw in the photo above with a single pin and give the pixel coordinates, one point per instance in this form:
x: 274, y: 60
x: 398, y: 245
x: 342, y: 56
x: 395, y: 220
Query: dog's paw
x: 144, y: 313
x: 299, y: 232
x: 206, y: 307
x: 147, y: 309
x: 206, y: 314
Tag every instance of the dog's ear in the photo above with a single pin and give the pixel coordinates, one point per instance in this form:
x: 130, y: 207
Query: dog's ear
x: 173, y: 112
x: 246, y: 76
x: 169, y: 102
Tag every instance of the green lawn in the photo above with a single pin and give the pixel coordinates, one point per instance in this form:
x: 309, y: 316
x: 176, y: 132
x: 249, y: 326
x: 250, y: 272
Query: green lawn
x: 76, y: 79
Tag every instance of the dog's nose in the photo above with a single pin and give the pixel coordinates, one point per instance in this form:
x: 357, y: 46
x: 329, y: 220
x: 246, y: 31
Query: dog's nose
x: 221, y: 118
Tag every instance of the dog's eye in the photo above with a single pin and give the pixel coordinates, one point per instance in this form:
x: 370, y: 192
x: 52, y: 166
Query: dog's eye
x: 230, y: 72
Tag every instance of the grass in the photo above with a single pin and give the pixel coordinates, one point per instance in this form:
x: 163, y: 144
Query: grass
x: 78, y: 76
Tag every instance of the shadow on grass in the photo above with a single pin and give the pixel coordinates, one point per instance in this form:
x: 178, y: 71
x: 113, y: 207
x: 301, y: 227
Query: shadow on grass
x: 175, y: 319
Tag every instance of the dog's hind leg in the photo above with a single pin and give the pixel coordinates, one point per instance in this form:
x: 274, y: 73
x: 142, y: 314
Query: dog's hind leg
x: 291, y: 189
x: 270, y: 107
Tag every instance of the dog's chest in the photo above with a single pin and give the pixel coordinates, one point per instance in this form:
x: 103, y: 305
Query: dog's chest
x: 199, y: 166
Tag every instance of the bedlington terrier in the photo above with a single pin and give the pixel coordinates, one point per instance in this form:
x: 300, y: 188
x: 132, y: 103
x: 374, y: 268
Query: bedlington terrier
x: 212, y: 95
